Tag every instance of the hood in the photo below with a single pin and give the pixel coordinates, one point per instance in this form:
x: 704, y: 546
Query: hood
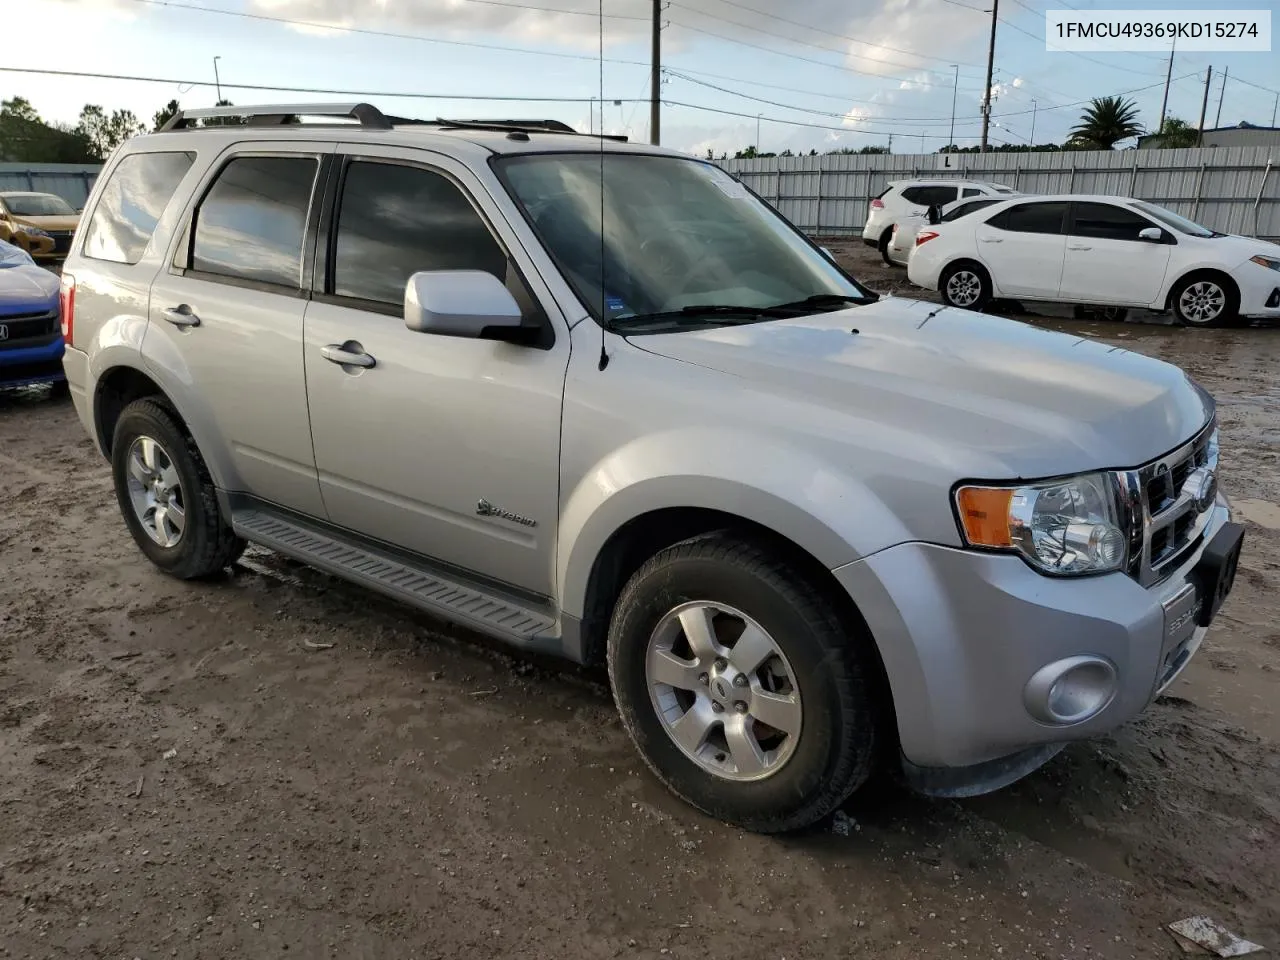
x: 991, y: 398
x: 1234, y: 247
x: 49, y: 223
x: 26, y: 289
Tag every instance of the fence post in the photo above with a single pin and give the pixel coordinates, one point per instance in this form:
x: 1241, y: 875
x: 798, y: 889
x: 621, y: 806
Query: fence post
x: 1257, y: 203
x: 31, y: 184
x: 1071, y: 184
x: 1195, y: 209
x: 1133, y: 179
x: 817, y: 212
x: 1017, y: 177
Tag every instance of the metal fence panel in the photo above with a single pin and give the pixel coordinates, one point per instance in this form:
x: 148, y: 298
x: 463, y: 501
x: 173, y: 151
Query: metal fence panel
x: 1232, y: 189
x: 71, y: 181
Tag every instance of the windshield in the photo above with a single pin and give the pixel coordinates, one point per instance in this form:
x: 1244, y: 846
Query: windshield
x: 1171, y: 219
x: 678, y: 235
x: 38, y: 205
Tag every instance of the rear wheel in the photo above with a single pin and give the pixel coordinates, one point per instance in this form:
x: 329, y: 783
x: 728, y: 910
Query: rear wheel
x: 1205, y: 300
x: 965, y: 285
x: 885, y: 239
x: 740, y: 686
x: 166, y: 494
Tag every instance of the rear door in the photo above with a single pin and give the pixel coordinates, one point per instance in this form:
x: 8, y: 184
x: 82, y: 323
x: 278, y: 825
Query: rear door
x: 1024, y: 246
x: 1106, y: 261
x: 228, y: 313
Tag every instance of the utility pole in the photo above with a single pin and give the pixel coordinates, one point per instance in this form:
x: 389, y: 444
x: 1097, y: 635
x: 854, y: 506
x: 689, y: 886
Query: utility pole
x: 891, y: 143
x: 758, y: 133
x: 1204, y: 106
x: 1168, y: 80
x: 1275, y: 110
x: 955, y: 92
x: 922, y: 150
x: 655, y: 90
x: 1035, y: 105
x: 1222, y: 96
x: 217, y: 82
x: 991, y: 65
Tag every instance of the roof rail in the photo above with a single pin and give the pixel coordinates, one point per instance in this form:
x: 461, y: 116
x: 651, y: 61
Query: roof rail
x: 519, y: 126
x: 276, y: 114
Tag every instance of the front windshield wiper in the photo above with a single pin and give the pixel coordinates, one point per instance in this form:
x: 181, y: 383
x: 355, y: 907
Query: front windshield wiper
x: 830, y: 300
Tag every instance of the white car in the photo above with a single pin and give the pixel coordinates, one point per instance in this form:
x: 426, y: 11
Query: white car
x: 906, y: 230
x: 905, y: 198
x: 1108, y: 251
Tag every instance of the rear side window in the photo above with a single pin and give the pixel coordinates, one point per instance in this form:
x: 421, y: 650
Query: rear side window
x: 134, y: 198
x: 396, y: 220
x: 1105, y: 222
x: 252, y: 222
x: 971, y: 192
x: 928, y: 196
x: 1032, y: 218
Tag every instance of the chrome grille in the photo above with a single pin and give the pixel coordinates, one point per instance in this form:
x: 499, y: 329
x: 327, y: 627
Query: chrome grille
x: 1168, y: 503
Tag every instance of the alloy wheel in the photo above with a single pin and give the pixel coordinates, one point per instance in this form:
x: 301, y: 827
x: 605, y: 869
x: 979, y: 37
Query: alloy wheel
x: 156, y: 492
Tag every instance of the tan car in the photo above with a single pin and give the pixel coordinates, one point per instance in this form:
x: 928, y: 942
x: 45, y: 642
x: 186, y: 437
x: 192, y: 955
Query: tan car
x: 40, y: 223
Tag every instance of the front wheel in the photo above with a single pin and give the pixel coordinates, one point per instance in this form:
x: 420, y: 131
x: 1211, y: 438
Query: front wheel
x: 965, y: 285
x: 740, y: 685
x: 1205, y: 300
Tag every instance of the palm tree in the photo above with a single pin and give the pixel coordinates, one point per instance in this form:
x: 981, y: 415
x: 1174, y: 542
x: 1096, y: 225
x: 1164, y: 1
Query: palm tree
x: 1106, y: 122
x: 1178, y: 133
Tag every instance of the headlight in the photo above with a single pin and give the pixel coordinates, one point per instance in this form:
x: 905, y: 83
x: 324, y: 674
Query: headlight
x: 34, y: 231
x: 1064, y: 527
x: 1267, y: 262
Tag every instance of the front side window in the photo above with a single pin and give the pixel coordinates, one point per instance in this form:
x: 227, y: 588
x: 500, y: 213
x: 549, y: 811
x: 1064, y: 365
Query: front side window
x: 638, y: 235
x: 1044, y: 218
x: 132, y: 201
x: 38, y: 205
x: 1178, y: 223
x: 395, y: 220
x: 971, y: 192
x: 1103, y: 221
x: 252, y: 222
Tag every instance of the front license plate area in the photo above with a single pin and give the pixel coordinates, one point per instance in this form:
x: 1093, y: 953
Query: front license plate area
x: 1215, y: 574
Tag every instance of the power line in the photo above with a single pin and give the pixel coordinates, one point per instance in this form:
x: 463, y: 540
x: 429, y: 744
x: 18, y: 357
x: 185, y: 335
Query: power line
x: 793, y: 123
x: 366, y: 31
x: 906, y: 121
x: 325, y: 90
x: 822, y: 30
x: 797, y: 56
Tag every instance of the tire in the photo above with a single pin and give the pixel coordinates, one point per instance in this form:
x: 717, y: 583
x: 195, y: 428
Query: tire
x: 202, y: 543
x: 1205, y: 300
x: 976, y: 288
x: 828, y: 667
x: 59, y: 390
x: 883, y: 245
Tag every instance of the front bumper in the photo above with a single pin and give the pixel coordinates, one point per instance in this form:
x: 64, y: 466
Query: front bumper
x: 21, y: 366
x: 963, y: 635
x: 1259, y: 292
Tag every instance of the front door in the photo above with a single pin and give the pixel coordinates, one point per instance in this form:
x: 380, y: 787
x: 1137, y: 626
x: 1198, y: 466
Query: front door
x: 1023, y: 247
x: 1106, y: 260
x: 447, y: 447
x: 228, y: 313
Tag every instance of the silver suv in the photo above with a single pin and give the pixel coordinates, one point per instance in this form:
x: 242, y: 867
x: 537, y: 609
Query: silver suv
x: 598, y: 399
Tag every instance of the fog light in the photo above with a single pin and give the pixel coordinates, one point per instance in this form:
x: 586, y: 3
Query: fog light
x: 1071, y: 691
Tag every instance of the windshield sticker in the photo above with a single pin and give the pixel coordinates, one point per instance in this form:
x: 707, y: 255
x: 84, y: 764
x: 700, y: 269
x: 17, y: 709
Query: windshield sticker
x: 617, y: 306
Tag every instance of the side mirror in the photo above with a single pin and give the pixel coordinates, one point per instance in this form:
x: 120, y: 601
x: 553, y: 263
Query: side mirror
x: 828, y: 254
x: 460, y: 303
x: 1152, y: 235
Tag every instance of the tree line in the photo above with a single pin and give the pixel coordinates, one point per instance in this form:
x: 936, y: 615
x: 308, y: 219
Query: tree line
x: 26, y: 137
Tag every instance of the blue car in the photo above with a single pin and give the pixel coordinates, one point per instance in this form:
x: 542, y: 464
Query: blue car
x: 30, y: 324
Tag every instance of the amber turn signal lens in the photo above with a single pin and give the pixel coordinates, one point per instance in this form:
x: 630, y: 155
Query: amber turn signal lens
x: 984, y: 515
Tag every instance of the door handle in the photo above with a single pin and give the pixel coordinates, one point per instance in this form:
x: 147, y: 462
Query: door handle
x: 993, y: 240
x: 180, y: 316
x: 348, y: 354
x: 1079, y: 248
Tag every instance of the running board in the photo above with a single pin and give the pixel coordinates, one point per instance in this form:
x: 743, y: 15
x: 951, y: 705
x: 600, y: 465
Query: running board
x: 464, y: 604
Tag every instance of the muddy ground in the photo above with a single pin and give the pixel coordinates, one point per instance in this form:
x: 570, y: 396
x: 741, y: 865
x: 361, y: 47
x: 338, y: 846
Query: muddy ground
x: 182, y: 776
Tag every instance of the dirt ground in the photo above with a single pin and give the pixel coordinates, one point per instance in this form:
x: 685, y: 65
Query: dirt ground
x: 183, y: 776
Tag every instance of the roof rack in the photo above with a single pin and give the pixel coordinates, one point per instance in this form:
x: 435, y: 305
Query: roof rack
x: 277, y: 114
x: 519, y: 126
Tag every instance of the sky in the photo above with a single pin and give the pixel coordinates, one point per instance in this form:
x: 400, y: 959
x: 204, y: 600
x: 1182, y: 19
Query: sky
x: 799, y: 75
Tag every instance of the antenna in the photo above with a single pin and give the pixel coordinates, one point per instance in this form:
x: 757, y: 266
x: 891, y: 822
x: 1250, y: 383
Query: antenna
x: 604, y: 293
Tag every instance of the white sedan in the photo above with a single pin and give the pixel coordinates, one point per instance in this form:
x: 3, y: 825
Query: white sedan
x: 1098, y: 250
x: 906, y: 230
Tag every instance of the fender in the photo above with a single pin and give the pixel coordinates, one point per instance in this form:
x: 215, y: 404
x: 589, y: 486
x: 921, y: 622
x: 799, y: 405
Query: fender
x: 786, y: 489
x: 119, y: 342
x: 1173, y: 276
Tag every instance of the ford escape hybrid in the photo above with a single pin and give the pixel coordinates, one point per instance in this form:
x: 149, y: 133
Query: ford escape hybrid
x: 598, y: 399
